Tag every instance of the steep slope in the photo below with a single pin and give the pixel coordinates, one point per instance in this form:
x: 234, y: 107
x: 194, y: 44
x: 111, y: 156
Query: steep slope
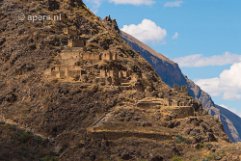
x: 168, y: 70
x: 165, y: 68
x: 231, y: 123
x: 172, y: 75
x: 45, y: 69
x: 78, y: 84
x: 17, y: 144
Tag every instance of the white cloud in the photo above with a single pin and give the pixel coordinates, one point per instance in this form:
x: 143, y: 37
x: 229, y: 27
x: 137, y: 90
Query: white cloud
x: 210, y: 85
x: 133, y: 2
x: 227, y: 85
x: 176, y: 3
x: 146, y: 31
x: 175, y: 36
x: 95, y: 5
x: 198, y: 60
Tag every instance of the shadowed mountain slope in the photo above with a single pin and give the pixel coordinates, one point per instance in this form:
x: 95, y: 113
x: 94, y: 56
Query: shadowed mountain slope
x: 17, y: 144
x: 232, y: 123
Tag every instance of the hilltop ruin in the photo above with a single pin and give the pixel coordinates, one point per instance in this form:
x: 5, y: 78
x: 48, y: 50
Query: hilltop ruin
x: 77, y: 64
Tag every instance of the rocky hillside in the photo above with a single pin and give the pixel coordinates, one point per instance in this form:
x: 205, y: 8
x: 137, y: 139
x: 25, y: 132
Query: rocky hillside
x: 17, y: 144
x: 74, y: 82
x: 171, y: 74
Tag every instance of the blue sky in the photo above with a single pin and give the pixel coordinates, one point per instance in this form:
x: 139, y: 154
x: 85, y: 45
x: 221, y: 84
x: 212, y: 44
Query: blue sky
x: 203, y: 36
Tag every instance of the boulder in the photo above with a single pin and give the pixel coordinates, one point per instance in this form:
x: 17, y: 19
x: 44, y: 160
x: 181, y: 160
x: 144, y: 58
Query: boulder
x: 211, y: 137
x: 75, y: 3
x: 157, y: 158
x: 2, y: 41
x: 126, y: 156
x: 11, y: 98
x: 53, y: 5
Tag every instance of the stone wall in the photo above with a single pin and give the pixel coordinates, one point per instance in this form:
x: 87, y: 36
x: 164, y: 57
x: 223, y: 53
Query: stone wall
x: 182, y: 112
x: 69, y: 66
x: 76, y: 42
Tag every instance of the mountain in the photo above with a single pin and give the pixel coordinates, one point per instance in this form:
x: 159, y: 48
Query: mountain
x: 231, y: 122
x: 73, y: 90
x: 171, y: 74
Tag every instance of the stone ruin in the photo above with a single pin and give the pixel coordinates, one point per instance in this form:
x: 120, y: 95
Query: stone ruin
x: 73, y: 39
x: 175, y: 107
x: 76, y: 64
x: 76, y: 42
x: 180, y: 102
x: 103, y: 56
x: 151, y: 102
x: 69, y: 67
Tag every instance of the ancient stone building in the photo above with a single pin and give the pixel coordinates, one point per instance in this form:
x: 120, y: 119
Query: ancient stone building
x: 150, y: 102
x: 108, y: 56
x: 64, y: 72
x: 74, y: 39
x: 181, y: 103
x: 173, y: 102
x: 67, y: 66
x: 90, y: 56
x: 114, y: 73
x: 76, y: 42
x: 68, y: 31
x: 71, y: 62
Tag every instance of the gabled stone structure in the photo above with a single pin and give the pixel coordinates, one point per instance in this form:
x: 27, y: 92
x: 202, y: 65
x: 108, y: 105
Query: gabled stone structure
x: 64, y: 72
x: 68, y: 66
x: 76, y: 42
x: 108, y: 56
x: 114, y: 73
x: 74, y: 39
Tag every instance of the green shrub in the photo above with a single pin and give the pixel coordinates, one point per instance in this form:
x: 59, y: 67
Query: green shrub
x: 24, y: 136
x: 38, y: 139
x: 176, y: 158
x: 180, y: 139
x: 199, y: 146
x: 48, y: 158
x: 210, y: 157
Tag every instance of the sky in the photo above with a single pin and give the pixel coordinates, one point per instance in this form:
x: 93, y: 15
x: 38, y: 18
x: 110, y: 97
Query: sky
x: 202, y: 36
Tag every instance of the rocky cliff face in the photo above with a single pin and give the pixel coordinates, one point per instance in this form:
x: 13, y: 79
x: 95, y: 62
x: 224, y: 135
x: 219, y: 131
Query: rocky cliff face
x: 231, y: 122
x: 171, y: 74
x: 75, y: 83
